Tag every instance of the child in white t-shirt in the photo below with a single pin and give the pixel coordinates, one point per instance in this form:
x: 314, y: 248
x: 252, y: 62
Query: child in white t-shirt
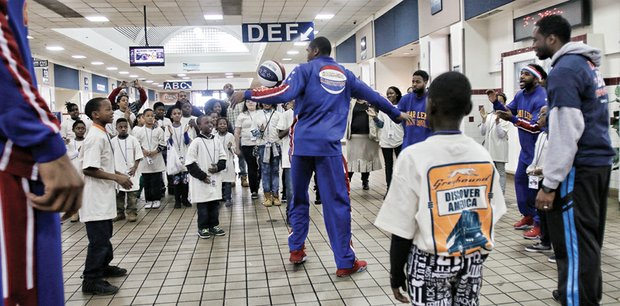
x: 152, y: 141
x: 73, y: 150
x: 177, y: 136
x: 442, y: 205
x: 284, y: 126
x: 99, y: 204
x: 228, y: 174
x: 127, y: 157
x: 206, y: 158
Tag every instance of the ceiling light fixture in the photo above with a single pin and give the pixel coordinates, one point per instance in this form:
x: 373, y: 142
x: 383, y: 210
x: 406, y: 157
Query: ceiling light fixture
x: 97, y: 18
x: 287, y: 59
x: 316, y: 32
x: 112, y: 68
x: 301, y: 43
x: 123, y: 72
x: 181, y: 74
x: 96, y: 63
x: 324, y: 16
x: 133, y: 76
x: 155, y: 84
x: 148, y: 81
x: 230, y: 76
x: 229, y: 73
x: 186, y: 78
x: 160, y: 85
x: 54, y: 48
x: 78, y: 56
x: 292, y: 52
x: 213, y: 17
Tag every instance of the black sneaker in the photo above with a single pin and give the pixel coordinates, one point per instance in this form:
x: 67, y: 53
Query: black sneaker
x: 204, y: 233
x: 254, y: 195
x: 187, y: 204
x: 177, y: 205
x: 318, y: 202
x: 538, y: 248
x: 98, y: 287
x: 365, y: 186
x: 114, y: 271
x: 556, y: 296
x: 551, y: 258
x: 217, y: 231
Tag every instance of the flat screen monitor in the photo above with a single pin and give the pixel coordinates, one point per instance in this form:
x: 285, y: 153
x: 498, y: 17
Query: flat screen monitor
x: 147, y: 56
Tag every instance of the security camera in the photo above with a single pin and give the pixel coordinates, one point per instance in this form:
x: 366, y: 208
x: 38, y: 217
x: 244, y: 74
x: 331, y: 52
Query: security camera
x: 354, y: 22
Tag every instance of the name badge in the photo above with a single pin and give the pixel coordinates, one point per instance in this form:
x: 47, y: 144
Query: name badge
x: 390, y: 135
x: 533, y: 182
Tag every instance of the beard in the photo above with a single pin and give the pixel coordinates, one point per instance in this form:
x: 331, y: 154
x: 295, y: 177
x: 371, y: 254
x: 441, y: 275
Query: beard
x: 543, y: 52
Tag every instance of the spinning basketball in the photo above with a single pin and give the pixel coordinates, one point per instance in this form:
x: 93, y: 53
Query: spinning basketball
x: 271, y: 73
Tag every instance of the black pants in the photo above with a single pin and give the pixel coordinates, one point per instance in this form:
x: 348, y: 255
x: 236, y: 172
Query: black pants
x: 365, y: 176
x: 208, y: 214
x: 99, y: 252
x: 152, y: 186
x: 577, y: 224
x: 388, y: 156
x: 253, y: 171
x: 544, y: 228
x: 180, y: 193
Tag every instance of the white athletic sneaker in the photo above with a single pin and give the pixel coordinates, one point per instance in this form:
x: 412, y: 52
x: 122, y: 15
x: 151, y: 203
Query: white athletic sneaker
x: 156, y: 204
x: 148, y: 205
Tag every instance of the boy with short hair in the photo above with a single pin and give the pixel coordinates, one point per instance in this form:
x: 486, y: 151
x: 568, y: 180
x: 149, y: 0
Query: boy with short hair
x: 99, y: 206
x: 443, y: 204
x: 127, y: 157
x: 73, y: 150
x: 153, y: 143
x: 206, y: 157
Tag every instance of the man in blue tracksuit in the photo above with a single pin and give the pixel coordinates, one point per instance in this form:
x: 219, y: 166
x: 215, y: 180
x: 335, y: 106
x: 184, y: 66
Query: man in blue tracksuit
x: 322, y: 90
x: 574, y: 190
x: 523, y: 113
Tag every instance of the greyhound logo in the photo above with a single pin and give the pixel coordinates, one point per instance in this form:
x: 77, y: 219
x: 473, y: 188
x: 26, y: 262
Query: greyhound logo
x: 463, y: 171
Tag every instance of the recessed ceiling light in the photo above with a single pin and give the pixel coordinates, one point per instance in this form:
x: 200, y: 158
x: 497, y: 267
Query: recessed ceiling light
x: 148, y: 81
x: 324, y: 16
x: 213, y: 17
x: 112, y: 68
x: 230, y: 76
x: 292, y: 52
x: 96, y: 63
x: 97, y: 18
x: 229, y: 73
x: 29, y: 37
x: 160, y: 85
x: 78, y: 56
x: 123, y: 72
x: 155, y: 84
x: 54, y: 48
x: 181, y: 74
x: 186, y: 78
x: 316, y: 32
x: 133, y: 76
x: 301, y: 43
x: 287, y: 59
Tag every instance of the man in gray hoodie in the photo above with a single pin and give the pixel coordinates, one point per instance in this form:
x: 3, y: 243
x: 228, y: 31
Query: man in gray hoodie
x: 576, y: 180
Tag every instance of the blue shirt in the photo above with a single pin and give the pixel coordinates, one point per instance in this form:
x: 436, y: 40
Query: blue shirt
x: 575, y: 82
x: 416, y: 107
x: 525, y: 107
x: 322, y: 90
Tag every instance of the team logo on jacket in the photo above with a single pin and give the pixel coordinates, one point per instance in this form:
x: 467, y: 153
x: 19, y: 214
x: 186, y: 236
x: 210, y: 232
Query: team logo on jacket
x: 333, y: 79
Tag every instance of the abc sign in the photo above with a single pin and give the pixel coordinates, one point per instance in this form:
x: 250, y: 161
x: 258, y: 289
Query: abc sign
x: 187, y: 85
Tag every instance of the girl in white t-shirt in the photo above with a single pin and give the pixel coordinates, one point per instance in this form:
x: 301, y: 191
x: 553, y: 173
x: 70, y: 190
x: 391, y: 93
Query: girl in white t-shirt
x: 206, y: 158
x: 228, y: 174
x: 153, y: 143
x: 177, y: 136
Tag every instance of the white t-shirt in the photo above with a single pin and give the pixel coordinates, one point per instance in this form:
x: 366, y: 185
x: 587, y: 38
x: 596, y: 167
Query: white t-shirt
x: 111, y: 127
x: 205, y: 152
x: 496, y: 137
x: 66, y: 127
x: 391, y: 135
x: 540, y: 152
x: 445, y: 195
x: 150, y: 139
x: 99, y: 199
x: 248, y: 122
x: 271, y: 130
x: 175, y: 139
x: 73, y: 151
x: 164, y: 122
x: 127, y: 152
x: 285, y: 123
x: 228, y: 143
x: 185, y: 121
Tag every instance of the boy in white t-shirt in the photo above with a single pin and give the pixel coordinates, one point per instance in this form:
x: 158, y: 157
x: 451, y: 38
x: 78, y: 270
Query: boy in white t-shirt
x: 442, y: 205
x: 99, y: 204
x: 123, y: 111
x: 73, y: 150
x: 127, y: 157
x: 284, y: 126
x: 228, y: 175
x: 177, y: 136
x: 152, y: 141
x: 206, y: 157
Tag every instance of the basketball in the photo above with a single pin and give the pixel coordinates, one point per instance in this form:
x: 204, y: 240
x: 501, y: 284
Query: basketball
x: 271, y: 73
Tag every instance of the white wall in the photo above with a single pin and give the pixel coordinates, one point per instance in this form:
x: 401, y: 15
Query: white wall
x: 394, y: 71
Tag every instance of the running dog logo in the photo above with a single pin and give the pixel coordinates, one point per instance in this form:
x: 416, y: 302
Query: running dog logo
x: 461, y: 213
x: 463, y: 171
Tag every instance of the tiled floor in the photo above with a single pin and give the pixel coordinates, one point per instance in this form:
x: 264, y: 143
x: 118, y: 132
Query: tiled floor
x: 169, y: 264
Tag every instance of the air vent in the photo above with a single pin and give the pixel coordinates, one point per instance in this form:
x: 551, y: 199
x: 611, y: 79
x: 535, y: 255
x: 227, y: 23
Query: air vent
x: 231, y: 7
x: 59, y: 8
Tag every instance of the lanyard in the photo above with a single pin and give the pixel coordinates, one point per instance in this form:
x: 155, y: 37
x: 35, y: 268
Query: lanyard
x: 106, y: 135
x: 178, y: 139
x: 148, y: 138
x: 213, y: 161
x: 123, y: 154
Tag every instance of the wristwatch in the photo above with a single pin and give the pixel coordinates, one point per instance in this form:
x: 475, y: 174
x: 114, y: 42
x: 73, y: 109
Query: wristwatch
x: 546, y: 189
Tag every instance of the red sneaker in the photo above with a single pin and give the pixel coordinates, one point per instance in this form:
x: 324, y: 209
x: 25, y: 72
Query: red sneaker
x: 533, y: 233
x: 358, y: 266
x: 524, y: 223
x: 298, y: 256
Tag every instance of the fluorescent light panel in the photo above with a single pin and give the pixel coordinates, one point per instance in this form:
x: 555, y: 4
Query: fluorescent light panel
x: 213, y: 17
x: 97, y: 18
x: 324, y: 16
x: 54, y: 48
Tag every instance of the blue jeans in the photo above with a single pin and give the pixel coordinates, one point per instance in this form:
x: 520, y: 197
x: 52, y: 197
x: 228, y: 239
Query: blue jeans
x: 226, y: 191
x: 270, y: 171
x: 288, y: 185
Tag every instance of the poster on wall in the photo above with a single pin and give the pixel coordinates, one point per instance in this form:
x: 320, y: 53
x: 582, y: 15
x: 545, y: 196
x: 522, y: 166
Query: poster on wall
x: 45, y: 76
x: 436, y: 6
x: 363, y: 53
x: 86, y: 84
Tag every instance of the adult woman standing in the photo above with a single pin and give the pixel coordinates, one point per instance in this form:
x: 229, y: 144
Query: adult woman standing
x: 250, y: 126
x: 362, y: 142
x: 390, y: 134
x: 495, y: 132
